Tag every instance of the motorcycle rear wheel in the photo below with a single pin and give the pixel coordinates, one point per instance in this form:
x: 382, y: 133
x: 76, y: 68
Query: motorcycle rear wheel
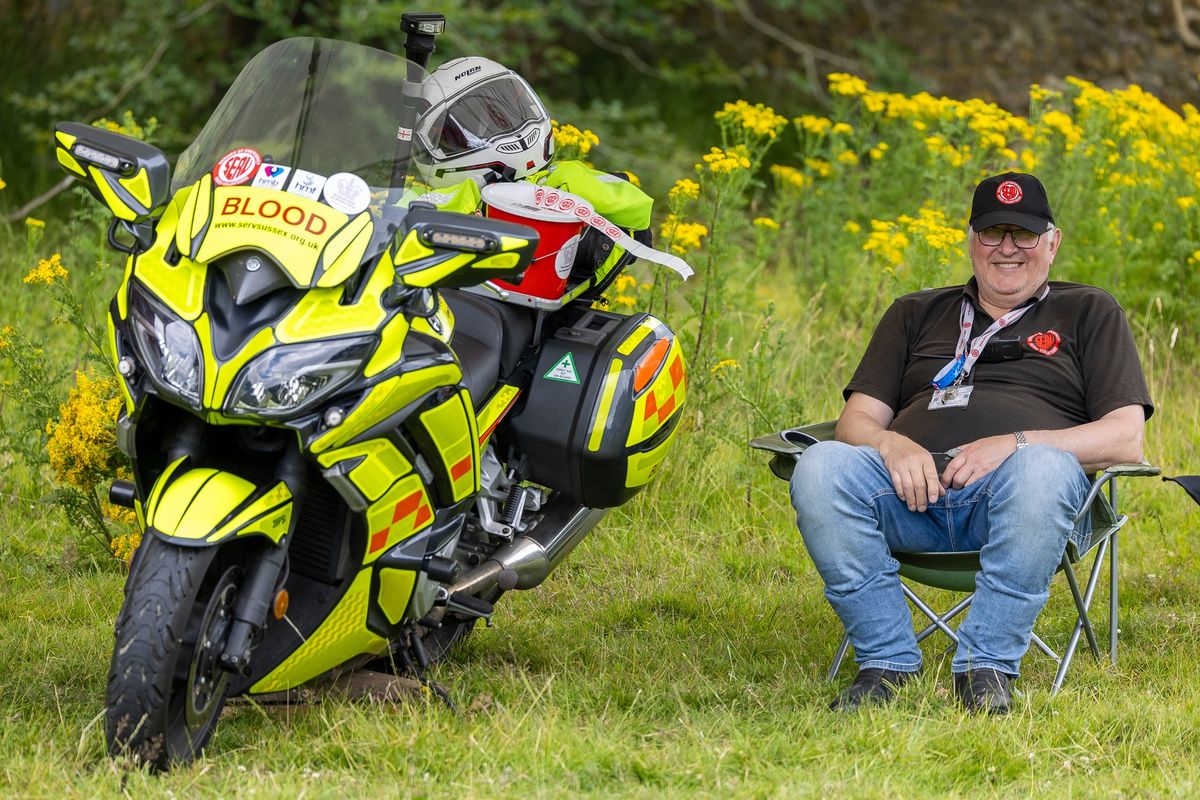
x: 166, y: 688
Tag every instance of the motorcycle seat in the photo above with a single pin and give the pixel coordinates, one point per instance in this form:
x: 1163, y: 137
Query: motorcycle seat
x: 489, y: 338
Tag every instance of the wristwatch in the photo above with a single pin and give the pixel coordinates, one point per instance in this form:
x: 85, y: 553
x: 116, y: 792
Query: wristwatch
x: 1021, y: 440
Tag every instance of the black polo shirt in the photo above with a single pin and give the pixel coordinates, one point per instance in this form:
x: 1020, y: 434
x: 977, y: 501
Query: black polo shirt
x: 1069, y: 360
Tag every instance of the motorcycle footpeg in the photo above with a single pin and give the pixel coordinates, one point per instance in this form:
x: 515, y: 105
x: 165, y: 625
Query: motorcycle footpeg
x: 466, y: 605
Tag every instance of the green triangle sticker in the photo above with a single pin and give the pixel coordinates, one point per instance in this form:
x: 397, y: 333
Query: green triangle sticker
x: 563, y: 371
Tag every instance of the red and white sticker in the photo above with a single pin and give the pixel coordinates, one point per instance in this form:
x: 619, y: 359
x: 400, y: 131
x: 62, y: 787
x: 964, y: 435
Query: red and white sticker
x: 558, y: 200
x: 1008, y: 193
x: 236, y: 167
x: 1045, y: 343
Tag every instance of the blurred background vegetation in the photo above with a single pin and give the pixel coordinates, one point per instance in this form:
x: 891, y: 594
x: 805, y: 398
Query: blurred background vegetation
x: 645, y: 75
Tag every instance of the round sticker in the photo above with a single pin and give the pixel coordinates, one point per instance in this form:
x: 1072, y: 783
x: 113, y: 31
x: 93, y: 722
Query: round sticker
x: 236, y: 167
x: 1008, y: 193
x: 347, y: 192
x: 566, y: 257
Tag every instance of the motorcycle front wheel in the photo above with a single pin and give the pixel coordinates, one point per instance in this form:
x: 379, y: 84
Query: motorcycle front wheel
x: 166, y: 687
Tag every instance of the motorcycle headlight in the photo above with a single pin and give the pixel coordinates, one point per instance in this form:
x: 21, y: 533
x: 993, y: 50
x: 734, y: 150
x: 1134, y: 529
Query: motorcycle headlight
x: 287, y: 380
x: 169, y: 347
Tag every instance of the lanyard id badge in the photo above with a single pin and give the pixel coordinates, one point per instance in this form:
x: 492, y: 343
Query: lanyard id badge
x: 948, y: 389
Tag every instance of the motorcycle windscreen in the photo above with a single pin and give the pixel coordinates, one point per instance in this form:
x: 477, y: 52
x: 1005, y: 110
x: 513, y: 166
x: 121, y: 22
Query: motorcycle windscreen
x: 310, y: 146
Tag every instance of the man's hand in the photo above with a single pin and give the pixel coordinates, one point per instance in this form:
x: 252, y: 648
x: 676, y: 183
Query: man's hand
x: 977, y: 459
x: 913, y: 474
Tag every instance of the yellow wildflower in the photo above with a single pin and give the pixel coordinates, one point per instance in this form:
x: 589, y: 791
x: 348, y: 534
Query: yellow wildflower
x: 723, y: 364
x: 790, y: 177
x: 766, y: 223
x: 819, y: 166
x: 1185, y: 202
x: 1028, y: 160
x: 843, y: 128
x: 6, y: 334
x: 568, y: 136
x: 683, y: 236
x: 758, y: 119
x: 845, y: 84
x: 847, y: 157
x: 2, y: 183
x: 124, y: 545
x: 625, y: 282
x: 851, y: 226
x: 817, y: 126
x: 47, y: 271
x: 34, y: 223
x: 684, y: 189
x: 1158, y: 227
x: 723, y: 162
x: 82, y: 442
x: 624, y: 301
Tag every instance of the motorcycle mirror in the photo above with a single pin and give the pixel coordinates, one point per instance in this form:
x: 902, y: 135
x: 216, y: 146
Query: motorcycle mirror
x: 440, y: 249
x: 129, y: 176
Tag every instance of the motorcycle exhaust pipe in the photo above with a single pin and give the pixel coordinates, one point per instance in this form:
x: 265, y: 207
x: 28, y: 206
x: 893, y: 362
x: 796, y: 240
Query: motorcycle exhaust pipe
x: 526, y: 561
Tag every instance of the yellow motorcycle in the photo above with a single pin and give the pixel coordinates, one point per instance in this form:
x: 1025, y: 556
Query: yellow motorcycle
x: 345, y: 445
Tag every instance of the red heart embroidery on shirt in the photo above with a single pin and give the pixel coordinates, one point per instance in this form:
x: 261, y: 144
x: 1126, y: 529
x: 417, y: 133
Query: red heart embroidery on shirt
x: 1045, y: 343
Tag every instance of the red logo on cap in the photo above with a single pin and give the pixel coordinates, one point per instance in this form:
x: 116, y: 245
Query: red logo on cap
x: 1045, y: 343
x: 1008, y: 193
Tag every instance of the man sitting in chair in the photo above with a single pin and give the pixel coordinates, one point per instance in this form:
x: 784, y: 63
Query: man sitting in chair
x: 1029, y: 385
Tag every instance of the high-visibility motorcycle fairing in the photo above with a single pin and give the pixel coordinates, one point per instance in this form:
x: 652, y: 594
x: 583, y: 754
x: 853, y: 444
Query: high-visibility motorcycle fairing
x: 337, y: 456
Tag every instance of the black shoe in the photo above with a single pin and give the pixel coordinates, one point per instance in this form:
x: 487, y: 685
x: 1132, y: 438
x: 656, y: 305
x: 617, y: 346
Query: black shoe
x: 871, y: 685
x: 984, y: 690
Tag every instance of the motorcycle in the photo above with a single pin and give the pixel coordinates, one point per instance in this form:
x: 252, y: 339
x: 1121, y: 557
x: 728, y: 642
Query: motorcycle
x: 350, y: 431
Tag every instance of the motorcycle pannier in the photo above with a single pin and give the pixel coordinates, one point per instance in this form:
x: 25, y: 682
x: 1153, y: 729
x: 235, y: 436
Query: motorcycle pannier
x: 602, y: 407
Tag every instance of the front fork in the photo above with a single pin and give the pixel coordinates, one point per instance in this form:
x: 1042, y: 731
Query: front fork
x: 257, y: 594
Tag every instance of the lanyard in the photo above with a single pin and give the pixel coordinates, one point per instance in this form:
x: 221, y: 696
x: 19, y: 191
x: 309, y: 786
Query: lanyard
x: 964, y: 359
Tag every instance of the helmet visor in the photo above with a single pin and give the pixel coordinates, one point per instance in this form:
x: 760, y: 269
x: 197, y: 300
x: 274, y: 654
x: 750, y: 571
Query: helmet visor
x: 492, y: 109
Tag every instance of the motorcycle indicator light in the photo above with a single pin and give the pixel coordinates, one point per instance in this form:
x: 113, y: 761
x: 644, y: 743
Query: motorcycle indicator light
x: 649, y: 364
x: 99, y: 157
x: 280, y: 606
x: 460, y: 241
x: 431, y: 28
x: 285, y: 381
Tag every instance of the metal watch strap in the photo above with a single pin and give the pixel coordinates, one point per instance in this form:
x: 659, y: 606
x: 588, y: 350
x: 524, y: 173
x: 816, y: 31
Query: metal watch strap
x: 1021, y: 440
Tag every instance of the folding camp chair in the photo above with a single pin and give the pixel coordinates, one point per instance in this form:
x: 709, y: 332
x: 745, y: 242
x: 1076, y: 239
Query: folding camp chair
x: 955, y: 571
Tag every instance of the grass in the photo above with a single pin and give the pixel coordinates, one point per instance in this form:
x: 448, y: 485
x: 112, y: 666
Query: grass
x: 681, y: 650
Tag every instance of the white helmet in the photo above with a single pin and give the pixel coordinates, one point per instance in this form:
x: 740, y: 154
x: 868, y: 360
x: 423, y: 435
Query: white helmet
x: 483, y: 116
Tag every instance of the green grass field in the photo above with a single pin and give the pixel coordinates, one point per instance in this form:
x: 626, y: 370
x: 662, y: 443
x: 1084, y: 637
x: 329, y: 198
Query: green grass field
x: 682, y: 649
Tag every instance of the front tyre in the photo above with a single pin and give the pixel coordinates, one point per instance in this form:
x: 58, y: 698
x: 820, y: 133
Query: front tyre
x: 165, y: 685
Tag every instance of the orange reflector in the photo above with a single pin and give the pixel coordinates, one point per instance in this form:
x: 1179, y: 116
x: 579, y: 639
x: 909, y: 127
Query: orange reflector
x: 280, y: 606
x: 649, y: 364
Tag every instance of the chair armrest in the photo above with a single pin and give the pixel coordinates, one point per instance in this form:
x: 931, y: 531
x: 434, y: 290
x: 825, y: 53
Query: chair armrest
x: 793, y: 441
x: 787, y: 445
x: 1142, y: 470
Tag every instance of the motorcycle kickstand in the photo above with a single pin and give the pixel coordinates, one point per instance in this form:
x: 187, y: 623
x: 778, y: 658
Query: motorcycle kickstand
x: 414, y: 660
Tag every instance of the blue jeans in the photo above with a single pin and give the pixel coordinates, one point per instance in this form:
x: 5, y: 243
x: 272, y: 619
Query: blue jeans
x: 1019, y: 516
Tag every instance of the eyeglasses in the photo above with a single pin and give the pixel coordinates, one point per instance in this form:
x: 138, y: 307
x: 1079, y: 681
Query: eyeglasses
x: 994, y: 237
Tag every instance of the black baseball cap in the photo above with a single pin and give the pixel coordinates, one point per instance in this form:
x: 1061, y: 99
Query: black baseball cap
x: 1014, y: 198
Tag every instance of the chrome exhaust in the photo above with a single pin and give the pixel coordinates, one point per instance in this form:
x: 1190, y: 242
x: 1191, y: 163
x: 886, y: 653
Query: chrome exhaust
x: 526, y: 561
